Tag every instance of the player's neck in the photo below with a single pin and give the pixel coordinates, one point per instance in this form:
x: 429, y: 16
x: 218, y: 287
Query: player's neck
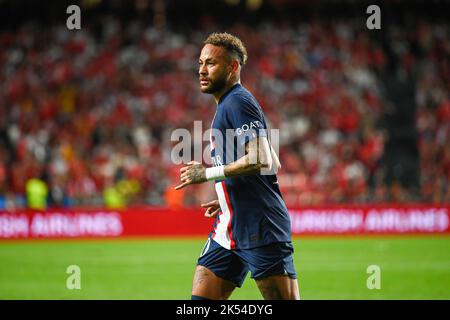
x: 220, y: 93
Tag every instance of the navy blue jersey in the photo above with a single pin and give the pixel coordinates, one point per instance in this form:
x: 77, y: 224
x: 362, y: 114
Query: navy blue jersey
x: 253, y: 212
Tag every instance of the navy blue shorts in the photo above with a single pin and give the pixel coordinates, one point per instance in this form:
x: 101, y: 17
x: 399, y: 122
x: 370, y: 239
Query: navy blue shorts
x: 233, y: 265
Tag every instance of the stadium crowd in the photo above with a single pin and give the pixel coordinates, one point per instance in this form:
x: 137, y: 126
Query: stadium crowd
x: 86, y: 116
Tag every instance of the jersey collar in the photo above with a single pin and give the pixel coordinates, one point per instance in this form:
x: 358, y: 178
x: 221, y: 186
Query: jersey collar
x: 228, y: 92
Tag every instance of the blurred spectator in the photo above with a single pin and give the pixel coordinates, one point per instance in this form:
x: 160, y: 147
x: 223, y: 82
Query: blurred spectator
x: 37, y: 192
x: 87, y: 108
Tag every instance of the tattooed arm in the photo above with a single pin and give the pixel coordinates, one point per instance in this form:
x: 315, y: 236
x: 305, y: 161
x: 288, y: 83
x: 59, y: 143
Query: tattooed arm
x: 258, y: 156
x: 193, y: 173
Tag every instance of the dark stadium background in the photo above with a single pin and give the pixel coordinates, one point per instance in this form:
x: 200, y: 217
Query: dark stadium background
x: 86, y: 116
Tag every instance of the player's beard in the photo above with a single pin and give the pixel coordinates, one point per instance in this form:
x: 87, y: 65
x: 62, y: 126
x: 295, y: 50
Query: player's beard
x: 216, y: 85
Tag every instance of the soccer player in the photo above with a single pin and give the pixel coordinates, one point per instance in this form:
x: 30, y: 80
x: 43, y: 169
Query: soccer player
x: 252, y: 230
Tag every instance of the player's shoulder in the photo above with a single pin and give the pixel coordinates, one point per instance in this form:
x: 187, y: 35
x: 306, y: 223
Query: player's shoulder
x: 240, y: 97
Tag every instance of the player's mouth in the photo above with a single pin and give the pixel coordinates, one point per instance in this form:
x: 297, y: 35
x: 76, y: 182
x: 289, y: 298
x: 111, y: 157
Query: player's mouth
x: 204, y: 82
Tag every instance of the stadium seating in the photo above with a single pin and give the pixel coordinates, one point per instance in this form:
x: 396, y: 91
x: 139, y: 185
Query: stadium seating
x: 92, y: 110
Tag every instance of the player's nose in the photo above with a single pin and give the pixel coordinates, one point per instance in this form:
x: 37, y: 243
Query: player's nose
x: 202, y: 70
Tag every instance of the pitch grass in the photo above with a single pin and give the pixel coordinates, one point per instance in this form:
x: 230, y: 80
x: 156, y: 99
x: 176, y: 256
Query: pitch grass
x: 328, y: 268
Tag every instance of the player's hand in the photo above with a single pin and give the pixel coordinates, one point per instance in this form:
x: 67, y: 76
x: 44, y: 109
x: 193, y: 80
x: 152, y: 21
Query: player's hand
x: 213, y: 208
x: 193, y: 173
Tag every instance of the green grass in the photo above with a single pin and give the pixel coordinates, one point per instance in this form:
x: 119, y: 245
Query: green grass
x: 328, y: 268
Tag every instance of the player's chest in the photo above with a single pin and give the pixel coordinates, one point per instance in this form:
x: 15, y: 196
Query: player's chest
x: 220, y: 120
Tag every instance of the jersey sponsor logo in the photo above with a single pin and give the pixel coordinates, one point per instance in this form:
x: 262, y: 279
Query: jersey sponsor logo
x: 245, y: 127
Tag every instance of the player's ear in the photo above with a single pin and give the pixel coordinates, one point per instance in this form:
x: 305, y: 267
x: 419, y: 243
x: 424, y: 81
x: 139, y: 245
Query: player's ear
x: 234, y: 65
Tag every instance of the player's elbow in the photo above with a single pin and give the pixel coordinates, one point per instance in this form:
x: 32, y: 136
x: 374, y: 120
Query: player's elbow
x: 258, y: 162
x: 265, y: 161
x: 275, y: 167
x: 259, y: 156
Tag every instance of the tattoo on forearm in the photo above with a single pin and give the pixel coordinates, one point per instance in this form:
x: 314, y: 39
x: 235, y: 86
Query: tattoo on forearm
x: 251, y: 163
x: 248, y: 169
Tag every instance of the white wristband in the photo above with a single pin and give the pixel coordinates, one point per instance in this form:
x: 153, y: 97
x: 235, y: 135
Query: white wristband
x: 214, y: 173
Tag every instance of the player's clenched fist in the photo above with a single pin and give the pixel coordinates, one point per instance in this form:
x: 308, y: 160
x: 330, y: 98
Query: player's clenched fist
x: 213, y: 208
x: 193, y: 173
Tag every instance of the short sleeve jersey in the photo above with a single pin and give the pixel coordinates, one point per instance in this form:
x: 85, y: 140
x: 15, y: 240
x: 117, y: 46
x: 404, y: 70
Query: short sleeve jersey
x: 253, y: 212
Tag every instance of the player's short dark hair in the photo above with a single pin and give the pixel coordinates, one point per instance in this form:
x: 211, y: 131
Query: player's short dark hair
x: 231, y: 43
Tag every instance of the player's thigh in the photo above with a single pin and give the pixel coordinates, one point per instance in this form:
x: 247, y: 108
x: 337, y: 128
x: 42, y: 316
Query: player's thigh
x: 218, y: 272
x: 272, y: 267
x: 278, y: 287
x: 207, y: 285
